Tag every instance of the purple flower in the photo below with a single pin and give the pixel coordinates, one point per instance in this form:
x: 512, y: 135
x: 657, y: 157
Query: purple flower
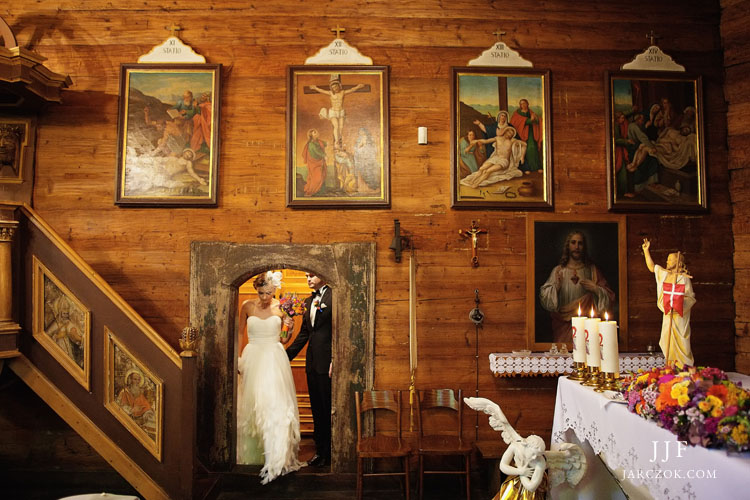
x: 665, y: 378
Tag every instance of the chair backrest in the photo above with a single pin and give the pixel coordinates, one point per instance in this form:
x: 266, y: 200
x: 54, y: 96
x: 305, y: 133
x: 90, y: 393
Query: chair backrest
x: 440, y: 399
x: 378, y: 400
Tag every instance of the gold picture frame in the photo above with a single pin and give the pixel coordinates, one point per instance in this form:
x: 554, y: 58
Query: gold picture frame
x: 338, y: 137
x: 656, y: 160
x: 168, y: 144
x: 61, y: 323
x: 501, y: 139
x: 133, y: 394
x: 15, y: 142
x: 605, y: 263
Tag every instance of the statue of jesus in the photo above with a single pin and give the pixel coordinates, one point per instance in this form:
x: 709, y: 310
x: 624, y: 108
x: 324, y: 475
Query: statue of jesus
x: 675, y: 300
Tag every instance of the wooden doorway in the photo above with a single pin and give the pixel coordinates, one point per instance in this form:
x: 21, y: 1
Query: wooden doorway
x: 217, y: 269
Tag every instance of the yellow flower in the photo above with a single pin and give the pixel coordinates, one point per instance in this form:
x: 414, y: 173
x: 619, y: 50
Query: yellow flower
x: 680, y: 393
x: 704, y: 406
x: 739, y: 434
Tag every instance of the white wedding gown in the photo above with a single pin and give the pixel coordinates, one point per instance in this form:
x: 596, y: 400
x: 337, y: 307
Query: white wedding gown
x: 267, y: 414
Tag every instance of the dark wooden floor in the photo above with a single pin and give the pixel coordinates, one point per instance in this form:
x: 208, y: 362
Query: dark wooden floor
x: 305, y: 484
x: 309, y: 483
x: 322, y: 486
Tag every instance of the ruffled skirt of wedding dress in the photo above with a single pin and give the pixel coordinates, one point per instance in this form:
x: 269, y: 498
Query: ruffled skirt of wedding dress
x: 267, y: 410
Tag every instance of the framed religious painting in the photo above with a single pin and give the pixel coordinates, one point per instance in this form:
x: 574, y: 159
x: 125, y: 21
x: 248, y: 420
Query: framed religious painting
x: 501, y: 142
x: 654, y: 136
x: 16, y: 137
x: 168, y: 144
x: 61, y: 323
x: 134, y: 395
x: 574, y: 261
x: 337, y: 137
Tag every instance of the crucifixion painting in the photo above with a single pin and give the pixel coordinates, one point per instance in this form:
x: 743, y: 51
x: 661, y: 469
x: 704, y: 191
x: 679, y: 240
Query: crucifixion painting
x: 338, y: 119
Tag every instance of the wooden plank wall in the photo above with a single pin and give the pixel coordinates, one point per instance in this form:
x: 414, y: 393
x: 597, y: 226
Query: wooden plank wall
x: 735, y: 20
x: 144, y: 253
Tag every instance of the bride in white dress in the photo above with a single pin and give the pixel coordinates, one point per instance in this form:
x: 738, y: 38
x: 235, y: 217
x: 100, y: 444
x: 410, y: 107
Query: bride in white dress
x: 267, y: 415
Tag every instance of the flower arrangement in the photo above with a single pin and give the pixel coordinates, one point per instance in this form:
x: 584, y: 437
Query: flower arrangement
x: 700, y: 405
x: 291, y: 306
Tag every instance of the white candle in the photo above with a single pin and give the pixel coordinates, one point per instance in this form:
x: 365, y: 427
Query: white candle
x: 610, y: 356
x: 593, y: 347
x: 579, y: 338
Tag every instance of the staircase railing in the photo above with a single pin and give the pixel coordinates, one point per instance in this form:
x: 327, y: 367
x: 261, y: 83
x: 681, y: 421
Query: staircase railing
x: 94, y: 360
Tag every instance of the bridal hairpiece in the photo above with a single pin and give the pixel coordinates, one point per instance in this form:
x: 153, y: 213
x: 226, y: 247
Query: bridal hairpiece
x: 274, y: 278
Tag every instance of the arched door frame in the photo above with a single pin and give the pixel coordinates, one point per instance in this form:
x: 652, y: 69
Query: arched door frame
x: 217, y: 269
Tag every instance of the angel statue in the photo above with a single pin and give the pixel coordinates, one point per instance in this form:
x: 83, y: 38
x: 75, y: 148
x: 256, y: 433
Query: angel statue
x: 528, y: 478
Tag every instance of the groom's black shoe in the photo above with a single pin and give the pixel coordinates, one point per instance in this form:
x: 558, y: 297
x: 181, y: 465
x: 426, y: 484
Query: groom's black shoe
x: 318, y: 461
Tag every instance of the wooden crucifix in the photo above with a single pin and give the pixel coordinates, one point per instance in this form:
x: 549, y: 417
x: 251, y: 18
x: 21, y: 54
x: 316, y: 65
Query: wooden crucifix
x: 473, y: 232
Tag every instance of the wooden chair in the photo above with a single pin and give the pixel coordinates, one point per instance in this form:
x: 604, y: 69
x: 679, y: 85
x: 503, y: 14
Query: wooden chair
x: 436, y: 401
x: 379, y: 445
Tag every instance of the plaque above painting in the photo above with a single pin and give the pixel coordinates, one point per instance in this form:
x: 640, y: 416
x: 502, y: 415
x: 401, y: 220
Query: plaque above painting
x: 338, y: 52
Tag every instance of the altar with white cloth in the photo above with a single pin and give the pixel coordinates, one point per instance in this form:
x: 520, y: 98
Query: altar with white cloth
x: 646, y: 459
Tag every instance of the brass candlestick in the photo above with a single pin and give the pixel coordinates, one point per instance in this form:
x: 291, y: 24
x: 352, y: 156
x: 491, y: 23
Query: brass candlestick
x: 610, y: 381
x: 594, y: 378
x: 579, y: 371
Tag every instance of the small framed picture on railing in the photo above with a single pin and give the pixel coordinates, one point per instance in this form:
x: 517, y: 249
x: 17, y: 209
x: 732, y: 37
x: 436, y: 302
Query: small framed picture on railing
x: 133, y: 394
x: 62, y: 324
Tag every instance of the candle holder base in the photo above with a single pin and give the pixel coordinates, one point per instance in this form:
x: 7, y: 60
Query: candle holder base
x: 610, y: 382
x: 579, y: 371
x: 594, y: 377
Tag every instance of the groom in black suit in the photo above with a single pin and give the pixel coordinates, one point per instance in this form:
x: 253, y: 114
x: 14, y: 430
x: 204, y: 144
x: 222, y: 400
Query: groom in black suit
x: 316, y: 328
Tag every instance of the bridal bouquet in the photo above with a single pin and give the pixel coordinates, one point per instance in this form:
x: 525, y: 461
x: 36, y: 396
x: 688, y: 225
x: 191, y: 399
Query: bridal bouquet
x: 291, y: 306
x: 700, y: 405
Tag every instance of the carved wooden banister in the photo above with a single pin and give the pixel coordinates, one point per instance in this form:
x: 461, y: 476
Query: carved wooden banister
x: 160, y: 464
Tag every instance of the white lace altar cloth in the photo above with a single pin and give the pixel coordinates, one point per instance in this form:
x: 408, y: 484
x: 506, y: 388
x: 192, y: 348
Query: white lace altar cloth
x: 506, y: 364
x: 634, y: 449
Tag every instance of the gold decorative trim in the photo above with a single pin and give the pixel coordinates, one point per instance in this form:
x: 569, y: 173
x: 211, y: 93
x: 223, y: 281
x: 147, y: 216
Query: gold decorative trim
x: 97, y: 280
x: 8, y: 229
x: 80, y: 423
x: 80, y: 373
x: 22, y: 147
x: 154, y: 446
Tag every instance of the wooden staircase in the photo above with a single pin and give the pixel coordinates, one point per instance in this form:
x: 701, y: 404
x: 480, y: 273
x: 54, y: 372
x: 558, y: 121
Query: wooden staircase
x: 78, y: 345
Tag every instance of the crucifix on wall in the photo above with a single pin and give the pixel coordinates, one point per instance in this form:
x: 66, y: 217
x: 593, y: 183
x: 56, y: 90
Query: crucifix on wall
x: 473, y: 232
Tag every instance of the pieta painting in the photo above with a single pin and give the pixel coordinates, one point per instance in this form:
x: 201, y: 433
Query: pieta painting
x: 168, y: 135
x: 337, y: 138
x: 134, y: 394
x: 500, y: 139
x: 655, y: 153
x: 62, y: 324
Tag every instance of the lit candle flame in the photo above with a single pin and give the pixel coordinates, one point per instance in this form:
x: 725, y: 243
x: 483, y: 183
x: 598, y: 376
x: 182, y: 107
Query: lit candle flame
x: 592, y: 313
x: 579, y: 309
x: 606, y: 316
